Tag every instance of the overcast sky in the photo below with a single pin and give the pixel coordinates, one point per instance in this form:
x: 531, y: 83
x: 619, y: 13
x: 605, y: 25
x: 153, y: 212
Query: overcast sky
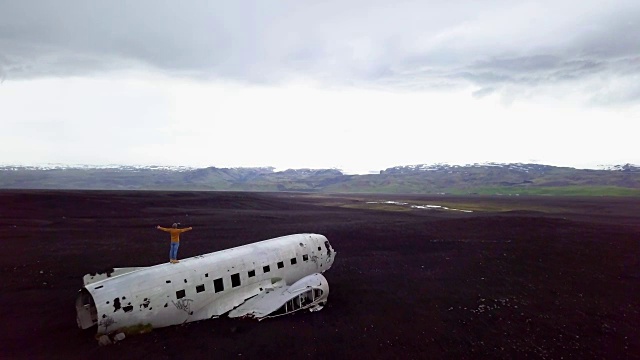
x: 354, y: 85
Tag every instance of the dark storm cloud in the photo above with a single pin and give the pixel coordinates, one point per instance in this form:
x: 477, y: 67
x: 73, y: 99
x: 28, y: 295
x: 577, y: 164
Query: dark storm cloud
x: 433, y: 44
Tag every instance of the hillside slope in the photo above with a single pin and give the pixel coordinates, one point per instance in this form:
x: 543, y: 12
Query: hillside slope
x: 489, y: 178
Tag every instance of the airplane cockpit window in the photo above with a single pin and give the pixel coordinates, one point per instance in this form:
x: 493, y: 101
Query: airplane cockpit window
x: 252, y: 273
x: 294, y: 261
x: 305, y: 257
x: 266, y: 269
x: 280, y: 264
x: 200, y: 288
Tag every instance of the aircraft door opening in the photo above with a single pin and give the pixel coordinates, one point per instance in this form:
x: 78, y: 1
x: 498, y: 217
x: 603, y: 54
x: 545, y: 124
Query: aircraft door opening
x: 87, y: 314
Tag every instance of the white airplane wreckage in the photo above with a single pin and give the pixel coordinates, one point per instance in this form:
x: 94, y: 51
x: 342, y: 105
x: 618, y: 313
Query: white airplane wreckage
x: 260, y: 280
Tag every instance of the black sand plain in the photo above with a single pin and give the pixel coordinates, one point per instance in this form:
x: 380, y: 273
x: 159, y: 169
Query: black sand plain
x: 519, y: 277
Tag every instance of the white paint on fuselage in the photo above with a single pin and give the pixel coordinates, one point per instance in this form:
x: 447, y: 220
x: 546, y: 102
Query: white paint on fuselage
x: 151, y: 295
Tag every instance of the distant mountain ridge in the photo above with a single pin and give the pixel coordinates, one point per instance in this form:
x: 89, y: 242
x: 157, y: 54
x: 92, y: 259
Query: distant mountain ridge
x: 447, y: 167
x: 625, y: 168
x: 512, y: 166
x: 488, y: 178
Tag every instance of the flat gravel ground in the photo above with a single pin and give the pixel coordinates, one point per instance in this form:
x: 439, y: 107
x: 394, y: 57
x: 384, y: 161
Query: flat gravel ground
x: 517, y: 277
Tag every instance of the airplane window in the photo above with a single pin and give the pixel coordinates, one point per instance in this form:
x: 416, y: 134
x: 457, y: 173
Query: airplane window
x: 206, y: 275
x: 266, y: 269
x: 280, y: 265
x: 168, y: 281
x: 319, y: 249
x: 218, y: 285
x: 235, y: 280
x: 294, y: 261
x: 252, y: 273
x: 200, y: 288
x: 180, y: 294
x: 305, y: 257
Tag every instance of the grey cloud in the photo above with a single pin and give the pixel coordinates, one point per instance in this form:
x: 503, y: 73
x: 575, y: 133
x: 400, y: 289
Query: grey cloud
x: 529, y: 73
x: 367, y: 43
x: 520, y: 64
x: 189, y: 38
x: 483, y: 92
x: 614, y: 35
x: 625, y: 91
x: 533, y: 70
x: 603, y: 50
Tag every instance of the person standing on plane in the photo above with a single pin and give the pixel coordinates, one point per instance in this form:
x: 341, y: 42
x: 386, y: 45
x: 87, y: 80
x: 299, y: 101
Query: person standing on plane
x: 175, y: 240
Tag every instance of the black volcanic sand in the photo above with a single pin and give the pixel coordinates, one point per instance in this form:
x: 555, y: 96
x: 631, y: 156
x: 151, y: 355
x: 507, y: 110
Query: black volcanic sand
x: 543, y: 277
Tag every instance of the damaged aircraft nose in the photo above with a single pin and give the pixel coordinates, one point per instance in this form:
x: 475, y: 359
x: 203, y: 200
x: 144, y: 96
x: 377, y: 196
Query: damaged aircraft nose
x: 330, y: 252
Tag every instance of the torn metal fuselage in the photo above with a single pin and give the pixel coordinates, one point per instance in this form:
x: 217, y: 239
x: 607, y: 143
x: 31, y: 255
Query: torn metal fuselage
x: 260, y: 280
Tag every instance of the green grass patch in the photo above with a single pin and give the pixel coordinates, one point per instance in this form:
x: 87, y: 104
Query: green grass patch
x: 550, y: 190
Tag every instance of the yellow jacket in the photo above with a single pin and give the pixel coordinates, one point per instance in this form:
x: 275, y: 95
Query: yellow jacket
x: 175, y: 233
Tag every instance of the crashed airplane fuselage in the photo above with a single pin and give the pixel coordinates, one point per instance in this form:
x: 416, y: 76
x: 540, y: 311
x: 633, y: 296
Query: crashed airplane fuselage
x: 264, y: 279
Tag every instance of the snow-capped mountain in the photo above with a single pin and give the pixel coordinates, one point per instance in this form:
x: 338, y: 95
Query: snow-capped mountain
x: 486, y: 178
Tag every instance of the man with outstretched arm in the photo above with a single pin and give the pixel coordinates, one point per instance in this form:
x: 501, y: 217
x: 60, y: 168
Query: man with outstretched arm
x: 175, y: 240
